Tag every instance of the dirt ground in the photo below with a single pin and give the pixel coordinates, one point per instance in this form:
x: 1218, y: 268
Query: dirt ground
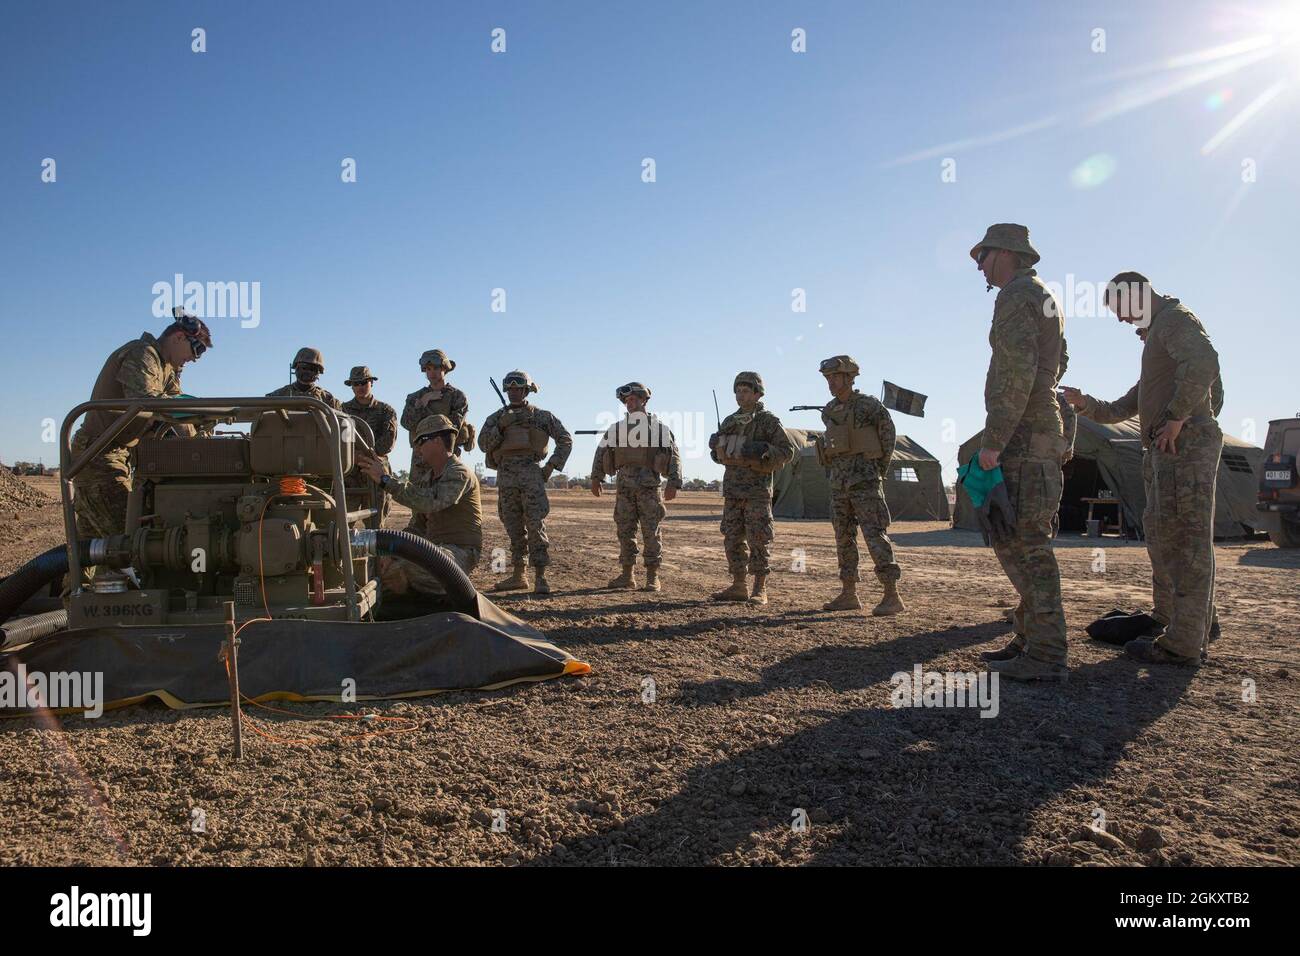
x: 758, y: 712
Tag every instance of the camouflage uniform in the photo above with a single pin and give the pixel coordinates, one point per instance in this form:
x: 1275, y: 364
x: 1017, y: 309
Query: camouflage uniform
x: 747, y: 530
x: 857, y: 486
x: 638, y: 497
x: 522, y: 504
x: 1023, y: 423
x: 1180, y: 380
x: 448, y: 400
x: 296, y: 390
x: 135, y: 370
x: 446, y: 511
x: 382, y: 419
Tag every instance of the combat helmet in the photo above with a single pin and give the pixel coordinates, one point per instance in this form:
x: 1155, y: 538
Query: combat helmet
x: 839, y: 363
x: 632, y: 388
x: 438, y: 359
x: 195, y: 330
x: 518, y: 379
x: 432, y: 425
x: 752, y: 379
x: 308, y: 356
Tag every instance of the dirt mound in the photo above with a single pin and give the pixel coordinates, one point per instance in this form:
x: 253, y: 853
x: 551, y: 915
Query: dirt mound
x: 16, y: 493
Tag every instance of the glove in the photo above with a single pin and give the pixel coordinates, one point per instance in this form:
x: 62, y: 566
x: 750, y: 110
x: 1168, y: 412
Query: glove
x: 713, y: 440
x: 997, y: 517
x: 754, y: 449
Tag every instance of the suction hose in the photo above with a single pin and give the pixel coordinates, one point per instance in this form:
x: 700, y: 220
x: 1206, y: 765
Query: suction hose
x: 27, y: 629
x: 38, y: 573
x: 461, y: 592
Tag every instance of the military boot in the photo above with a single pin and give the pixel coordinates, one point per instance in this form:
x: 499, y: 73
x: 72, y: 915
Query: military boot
x: 1024, y: 667
x: 540, y: 584
x: 890, y: 602
x: 1013, y: 649
x: 759, y: 594
x: 624, y: 581
x: 516, y: 582
x: 847, y: 600
x: 651, y: 579
x: 736, y: 592
x: 1149, y: 652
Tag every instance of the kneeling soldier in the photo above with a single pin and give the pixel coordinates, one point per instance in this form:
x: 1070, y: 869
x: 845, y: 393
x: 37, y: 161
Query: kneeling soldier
x: 751, y: 444
x: 857, y: 448
x: 445, y: 510
x: 638, y: 451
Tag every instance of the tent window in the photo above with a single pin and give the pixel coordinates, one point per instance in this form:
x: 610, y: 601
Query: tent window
x: 905, y: 474
x: 1237, y: 462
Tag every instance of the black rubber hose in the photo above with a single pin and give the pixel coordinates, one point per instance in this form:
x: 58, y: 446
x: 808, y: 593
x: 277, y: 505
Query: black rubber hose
x: 36, y: 574
x: 27, y: 629
x: 461, y: 592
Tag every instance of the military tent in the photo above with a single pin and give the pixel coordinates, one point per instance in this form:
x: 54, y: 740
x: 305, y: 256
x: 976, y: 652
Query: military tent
x: 1109, y: 457
x: 914, y: 489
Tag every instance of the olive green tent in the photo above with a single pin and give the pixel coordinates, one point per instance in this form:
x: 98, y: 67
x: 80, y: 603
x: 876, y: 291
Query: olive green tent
x: 914, y: 489
x: 1109, y: 457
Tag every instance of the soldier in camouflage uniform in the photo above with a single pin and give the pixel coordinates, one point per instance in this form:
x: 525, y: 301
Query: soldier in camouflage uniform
x: 445, y: 510
x: 1070, y: 422
x: 308, y: 365
x: 751, y: 445
x: 1024, y: 433
x: 1176, y: 401
x: 638, y: 450
x: 856, y: 450
x: 515, y: 440
x: 380, y: 416
x: 146, y: 367
x: 436, y: 398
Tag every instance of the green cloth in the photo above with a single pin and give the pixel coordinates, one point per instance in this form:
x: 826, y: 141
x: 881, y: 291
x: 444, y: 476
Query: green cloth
x: 978, y: 482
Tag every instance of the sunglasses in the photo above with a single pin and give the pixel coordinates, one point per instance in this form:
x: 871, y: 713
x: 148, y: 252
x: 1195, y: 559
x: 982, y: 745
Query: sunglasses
x: 197, y: 348
x: 984, y: 254
x: 424, y: 438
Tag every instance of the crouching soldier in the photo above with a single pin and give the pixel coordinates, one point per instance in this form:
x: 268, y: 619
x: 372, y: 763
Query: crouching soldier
x: 639, y: 451
x: 751, y: 445
x: 856, y: 449
x: 445, y: 510
x: 515, y: 439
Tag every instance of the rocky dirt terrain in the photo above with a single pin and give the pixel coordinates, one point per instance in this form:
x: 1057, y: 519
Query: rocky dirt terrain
x: 758, y: 713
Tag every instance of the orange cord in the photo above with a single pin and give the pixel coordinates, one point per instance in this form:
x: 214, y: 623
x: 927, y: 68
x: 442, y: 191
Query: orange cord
x: 292, y: 486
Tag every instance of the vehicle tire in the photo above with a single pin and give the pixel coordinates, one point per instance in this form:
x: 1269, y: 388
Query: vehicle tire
x: 1287, y: 535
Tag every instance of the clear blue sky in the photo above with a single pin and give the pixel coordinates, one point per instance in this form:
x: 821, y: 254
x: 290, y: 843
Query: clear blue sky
x: 522, y: 171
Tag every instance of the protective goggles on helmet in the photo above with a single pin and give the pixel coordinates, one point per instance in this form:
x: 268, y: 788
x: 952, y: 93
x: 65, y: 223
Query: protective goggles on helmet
x: 623, y: 391
x: 196, y: 332
x: 829, y: 365
x: 514, y: 381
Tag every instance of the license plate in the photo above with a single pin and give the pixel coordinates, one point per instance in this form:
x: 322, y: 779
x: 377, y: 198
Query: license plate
x: 1277, y: 476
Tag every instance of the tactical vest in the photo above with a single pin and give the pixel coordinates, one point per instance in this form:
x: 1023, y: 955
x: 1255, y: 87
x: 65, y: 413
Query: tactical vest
x: 442, y: 406
x: 520, y: 441
x: 461, y: 524
x: 618, y: 454
x: 727, y: 450
x: 107, y: 386
x: 845, y: 438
